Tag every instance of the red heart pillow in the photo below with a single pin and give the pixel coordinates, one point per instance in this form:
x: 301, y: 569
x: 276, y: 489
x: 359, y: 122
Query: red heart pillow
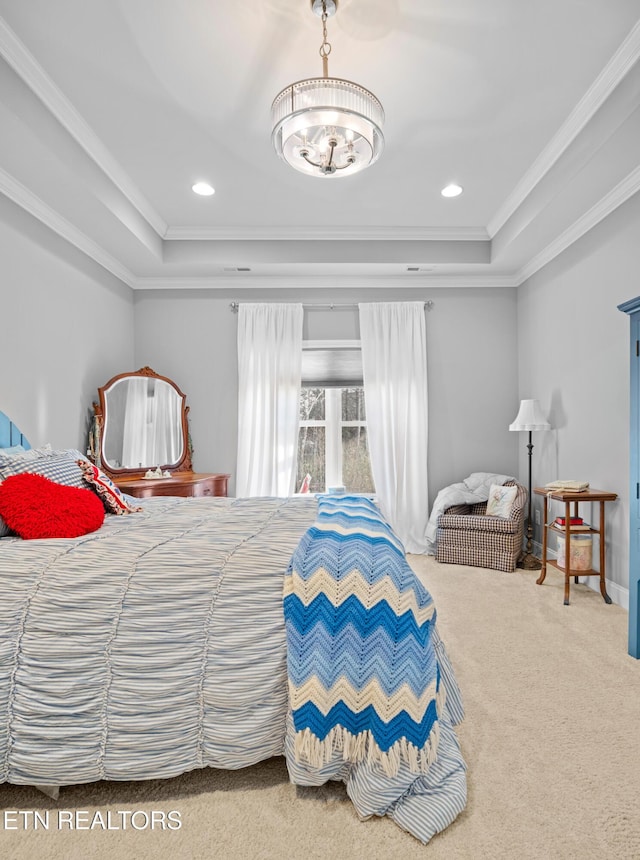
x: 35, y: 507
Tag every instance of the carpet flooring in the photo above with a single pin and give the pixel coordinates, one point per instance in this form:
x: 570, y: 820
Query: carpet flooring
x: 551, y: 738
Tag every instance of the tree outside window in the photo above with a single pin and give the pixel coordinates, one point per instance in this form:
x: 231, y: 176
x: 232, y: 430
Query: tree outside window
x: 332, y: 442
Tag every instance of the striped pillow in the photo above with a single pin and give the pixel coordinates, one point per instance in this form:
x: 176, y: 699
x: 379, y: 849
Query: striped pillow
x: 12, y: 449
x: 61, y: 468
x: 10, y: 455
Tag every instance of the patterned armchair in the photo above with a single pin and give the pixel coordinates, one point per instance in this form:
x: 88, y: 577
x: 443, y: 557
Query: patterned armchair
x: 466, y: 535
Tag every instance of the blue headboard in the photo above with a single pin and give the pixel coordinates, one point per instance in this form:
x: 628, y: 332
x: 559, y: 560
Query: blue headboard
x: 10, y: 434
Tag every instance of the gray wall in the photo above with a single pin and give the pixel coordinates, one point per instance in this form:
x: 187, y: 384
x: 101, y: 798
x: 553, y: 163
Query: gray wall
x: 66, y: 327
x: 573, y: 348
x: 473, y: 383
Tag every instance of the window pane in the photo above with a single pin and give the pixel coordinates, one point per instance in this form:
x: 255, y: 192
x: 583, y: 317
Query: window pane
x: 312, y: 404
x: 311, y: 458
x: 353, y: 404
x: 356, y: 468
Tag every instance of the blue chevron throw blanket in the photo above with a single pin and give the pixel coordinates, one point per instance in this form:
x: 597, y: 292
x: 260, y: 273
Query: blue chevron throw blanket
x: 363, y: 675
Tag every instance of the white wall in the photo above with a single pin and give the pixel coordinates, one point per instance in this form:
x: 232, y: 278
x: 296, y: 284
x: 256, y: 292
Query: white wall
x: 66, y: 326
x: 573, y: 348
x: 190, y: 336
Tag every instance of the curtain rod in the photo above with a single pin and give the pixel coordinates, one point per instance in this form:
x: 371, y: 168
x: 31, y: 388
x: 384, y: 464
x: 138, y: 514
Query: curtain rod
x: 331, y: 306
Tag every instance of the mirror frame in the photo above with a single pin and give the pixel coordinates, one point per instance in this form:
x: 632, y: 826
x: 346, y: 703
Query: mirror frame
x: 97, y: 431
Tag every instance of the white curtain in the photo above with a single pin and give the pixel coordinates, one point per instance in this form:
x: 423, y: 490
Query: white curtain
x: 152, y: 424
x: 394, y: 363
x: 165, y: 427
x: 269, y: 373
x: 135, y: 452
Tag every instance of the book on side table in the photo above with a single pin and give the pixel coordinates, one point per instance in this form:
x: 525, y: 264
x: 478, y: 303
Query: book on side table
x: 576, y: 524
x: 568, y: 486
x: 573, y: 527
x: 573, y: 521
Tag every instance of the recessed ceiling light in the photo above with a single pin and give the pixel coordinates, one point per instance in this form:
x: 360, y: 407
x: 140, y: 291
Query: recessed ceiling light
x: 452, y: 190
x: 203, y: 188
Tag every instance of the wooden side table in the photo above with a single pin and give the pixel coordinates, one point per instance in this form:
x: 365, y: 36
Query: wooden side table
x: 179, y: 484
x: 574, y: 498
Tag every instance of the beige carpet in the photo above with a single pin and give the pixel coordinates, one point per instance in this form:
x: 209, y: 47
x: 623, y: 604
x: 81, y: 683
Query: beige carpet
x: 551, y: 737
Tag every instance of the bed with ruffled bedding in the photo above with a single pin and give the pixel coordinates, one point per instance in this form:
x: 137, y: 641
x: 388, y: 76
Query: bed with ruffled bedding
x: 157, y: 644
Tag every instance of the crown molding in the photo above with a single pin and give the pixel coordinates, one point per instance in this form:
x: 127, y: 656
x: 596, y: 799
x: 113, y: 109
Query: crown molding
x: 32, y: 73
x: 33, y: 204
x: 618, y: 195
x: 375, y: 233
x: 21, y: 195
x: 311, y: 282
x: 613, y: 73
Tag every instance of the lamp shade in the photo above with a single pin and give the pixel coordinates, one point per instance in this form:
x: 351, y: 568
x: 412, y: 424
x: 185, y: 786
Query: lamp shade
x: 530, y: 417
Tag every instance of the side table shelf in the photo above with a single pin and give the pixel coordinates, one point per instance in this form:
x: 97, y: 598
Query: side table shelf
x: 568, y: 498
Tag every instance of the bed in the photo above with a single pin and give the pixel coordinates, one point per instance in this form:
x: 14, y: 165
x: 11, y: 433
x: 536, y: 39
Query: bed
x: 158, y: 643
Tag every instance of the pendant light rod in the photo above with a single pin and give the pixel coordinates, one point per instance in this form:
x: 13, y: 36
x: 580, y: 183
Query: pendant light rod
x: 325, y: 47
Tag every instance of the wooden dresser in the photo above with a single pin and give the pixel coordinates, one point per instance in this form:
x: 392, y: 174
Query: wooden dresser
x: 179, y: 484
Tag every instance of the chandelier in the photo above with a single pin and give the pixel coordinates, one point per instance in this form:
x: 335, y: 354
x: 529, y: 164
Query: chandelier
x: 327, y: 126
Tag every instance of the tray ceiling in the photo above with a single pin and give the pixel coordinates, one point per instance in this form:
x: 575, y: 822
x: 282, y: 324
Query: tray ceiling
x: 111, y: 110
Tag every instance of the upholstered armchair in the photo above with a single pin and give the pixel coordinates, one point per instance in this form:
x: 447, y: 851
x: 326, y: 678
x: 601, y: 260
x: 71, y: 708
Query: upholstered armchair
x: 466, y: 535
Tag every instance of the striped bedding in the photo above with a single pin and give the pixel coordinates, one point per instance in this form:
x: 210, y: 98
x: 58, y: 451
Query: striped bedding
x: 156, y: 645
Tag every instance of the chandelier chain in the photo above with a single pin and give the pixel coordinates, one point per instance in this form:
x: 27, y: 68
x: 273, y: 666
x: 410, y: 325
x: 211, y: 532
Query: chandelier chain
x: 325, y: 47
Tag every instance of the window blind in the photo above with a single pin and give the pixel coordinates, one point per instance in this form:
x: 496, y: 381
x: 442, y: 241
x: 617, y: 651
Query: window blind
x: 331, y: 364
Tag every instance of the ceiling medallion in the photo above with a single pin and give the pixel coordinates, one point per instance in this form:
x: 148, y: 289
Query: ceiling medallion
x: 327, y: 127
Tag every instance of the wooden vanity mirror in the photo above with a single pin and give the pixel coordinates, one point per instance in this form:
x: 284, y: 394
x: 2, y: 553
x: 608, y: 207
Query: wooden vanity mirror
x: 140, y: 424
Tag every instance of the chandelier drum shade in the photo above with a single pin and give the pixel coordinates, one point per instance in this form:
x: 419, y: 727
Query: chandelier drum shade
x: 327, y: 127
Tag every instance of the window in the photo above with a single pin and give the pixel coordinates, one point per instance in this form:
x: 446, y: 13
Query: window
x: 332, y: 441
x: 312, y: 441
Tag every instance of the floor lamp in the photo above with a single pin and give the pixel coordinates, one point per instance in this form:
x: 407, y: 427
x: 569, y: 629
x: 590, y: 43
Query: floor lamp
x: 530, y: 418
